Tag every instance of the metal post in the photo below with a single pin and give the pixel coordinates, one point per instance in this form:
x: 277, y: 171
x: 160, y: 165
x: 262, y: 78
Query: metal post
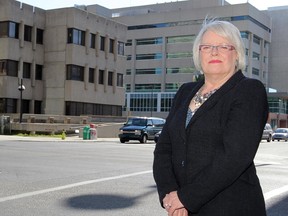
x: 21, y: 88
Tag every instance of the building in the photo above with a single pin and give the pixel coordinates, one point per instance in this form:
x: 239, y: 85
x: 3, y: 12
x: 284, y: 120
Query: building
x: 71, y: 62
x: 159, y: 48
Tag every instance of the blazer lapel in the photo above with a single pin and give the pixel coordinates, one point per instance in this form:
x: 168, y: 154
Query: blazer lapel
x: 216, y: 96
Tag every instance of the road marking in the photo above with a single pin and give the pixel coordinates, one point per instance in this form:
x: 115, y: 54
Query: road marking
x: 23, y: 195
x: 267, y: 195
x: 275, y: 192
x: 258, y: 162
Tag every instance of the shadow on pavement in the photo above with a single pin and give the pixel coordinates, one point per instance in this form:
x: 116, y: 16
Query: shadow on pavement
x: 100, y: 201
x: 279, y: 208
x: 104, y: 201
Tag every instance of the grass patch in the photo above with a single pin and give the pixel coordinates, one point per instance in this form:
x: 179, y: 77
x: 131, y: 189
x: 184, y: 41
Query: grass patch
x: 39, y: 135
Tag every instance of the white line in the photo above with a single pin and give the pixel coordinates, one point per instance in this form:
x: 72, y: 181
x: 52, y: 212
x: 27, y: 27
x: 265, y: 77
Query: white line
x: 275, y: 192
x: 19, y: 196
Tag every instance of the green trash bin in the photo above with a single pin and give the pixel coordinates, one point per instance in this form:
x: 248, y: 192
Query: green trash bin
x: 86, y: 133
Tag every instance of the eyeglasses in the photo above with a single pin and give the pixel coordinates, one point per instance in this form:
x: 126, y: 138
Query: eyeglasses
x: 220, y: 48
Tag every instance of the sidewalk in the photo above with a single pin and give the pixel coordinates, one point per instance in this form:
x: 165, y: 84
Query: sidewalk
x: 75, y: 138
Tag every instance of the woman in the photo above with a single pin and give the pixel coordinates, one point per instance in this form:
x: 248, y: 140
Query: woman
x: 203, y: 161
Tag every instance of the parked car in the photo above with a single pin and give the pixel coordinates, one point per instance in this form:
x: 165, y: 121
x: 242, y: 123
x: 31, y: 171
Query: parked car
x: 141, y: 128
x: 156, y: 137
x: 267, y: 133
x: 280, y: 134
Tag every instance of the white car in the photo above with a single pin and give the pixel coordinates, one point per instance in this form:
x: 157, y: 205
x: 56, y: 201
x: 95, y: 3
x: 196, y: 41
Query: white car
x: 280, y: 134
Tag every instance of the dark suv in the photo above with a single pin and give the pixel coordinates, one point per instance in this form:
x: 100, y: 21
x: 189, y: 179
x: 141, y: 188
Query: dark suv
x: 141, y: 128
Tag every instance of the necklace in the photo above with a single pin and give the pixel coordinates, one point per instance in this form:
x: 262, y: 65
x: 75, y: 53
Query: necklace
x: 199, y: 99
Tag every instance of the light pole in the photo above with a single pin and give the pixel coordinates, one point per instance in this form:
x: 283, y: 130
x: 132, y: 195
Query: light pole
x: 21, y: 88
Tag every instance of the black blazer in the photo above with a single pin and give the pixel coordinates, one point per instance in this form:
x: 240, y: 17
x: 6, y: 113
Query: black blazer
x: 210, y: 163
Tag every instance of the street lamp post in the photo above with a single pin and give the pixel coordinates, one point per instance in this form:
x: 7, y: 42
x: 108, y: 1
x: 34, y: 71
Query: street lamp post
x: 21, y: 88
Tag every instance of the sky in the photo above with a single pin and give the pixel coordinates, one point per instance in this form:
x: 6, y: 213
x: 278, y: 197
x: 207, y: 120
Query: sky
x: 52, y: 4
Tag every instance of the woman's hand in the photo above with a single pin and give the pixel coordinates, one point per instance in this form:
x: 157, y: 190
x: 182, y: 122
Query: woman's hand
x: 173, y: 205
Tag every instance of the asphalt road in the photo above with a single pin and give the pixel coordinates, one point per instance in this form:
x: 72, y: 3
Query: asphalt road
x: 105, y: 177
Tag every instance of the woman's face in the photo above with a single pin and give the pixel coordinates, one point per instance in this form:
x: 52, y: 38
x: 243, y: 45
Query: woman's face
x: 217, y: 61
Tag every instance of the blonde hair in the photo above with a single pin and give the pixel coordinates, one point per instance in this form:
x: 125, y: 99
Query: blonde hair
x: 224, y: 29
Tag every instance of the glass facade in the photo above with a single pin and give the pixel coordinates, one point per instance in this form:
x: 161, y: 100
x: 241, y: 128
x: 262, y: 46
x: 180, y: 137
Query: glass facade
x: 149, y: 102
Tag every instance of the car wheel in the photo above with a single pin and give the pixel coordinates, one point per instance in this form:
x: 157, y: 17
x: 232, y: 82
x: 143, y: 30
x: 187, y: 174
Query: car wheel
x: 273, y: 140
x: 269, y: 138
x: 123, y: 140
x: 143, y: 139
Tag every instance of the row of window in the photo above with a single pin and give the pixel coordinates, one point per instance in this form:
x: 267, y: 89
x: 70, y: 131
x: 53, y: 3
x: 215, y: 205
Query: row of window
x: 76, y: 72
x: 198, y: 22
x: 159, y: 40
x: 10, y: 68
x: 175, y: 70
x: 169, y: 87
x: 186, y: 39
x: 78, y: 108
x: 78, y: 37
x: 9, y: 105
x: 11, y: 29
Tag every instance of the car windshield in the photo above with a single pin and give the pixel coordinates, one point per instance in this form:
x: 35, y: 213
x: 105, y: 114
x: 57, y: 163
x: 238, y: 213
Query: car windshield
x: 281, y: 131
x: 137, y: 122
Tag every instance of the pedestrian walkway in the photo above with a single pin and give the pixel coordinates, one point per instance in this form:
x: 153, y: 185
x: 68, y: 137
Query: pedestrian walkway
x: 74, y: 138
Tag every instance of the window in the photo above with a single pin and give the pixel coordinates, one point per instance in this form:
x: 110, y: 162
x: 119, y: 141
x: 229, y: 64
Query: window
x: 128, y: 87
x: 147, y: 87
x: 149, y: 71
x: 75, y: 72
x: 92, y: 41
x: 129, y: 57
x: 255, y: 71
x: 76, y: 36
x: 8, y: 105
x: 128, y: 43
x: 245, y: 34
x: 91, y: 75
x: 180, y: 70
x: 9, y: 67
x: 26, y: 70
x: 128, y: 71
x: 9, y: 29
x: 28, y: 33
x: 3, y: 66
x: 101, y: 77
x: 102, y: 43
x: 39, y: 36
x: 172, y: 87
x: 120, y: 48
x: 149, y: 56
x: 166, y: 101
x: 181, y: 39
x: 120, y: 79
x: 37, y: 107
x: 26, y: 106
x: 256, y: 56
x: 149, y: 41
x: 247, y: 52
x: 179, y: 55
x: 111, y: 45
x: 256, y: 39
x: 110, y: 78
x: 39, y: 72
